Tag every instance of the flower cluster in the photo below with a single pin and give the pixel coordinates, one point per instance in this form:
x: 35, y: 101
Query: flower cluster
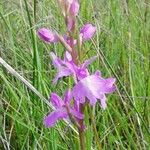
x: 88, y: 88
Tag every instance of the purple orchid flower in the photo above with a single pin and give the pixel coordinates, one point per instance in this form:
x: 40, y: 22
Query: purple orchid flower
x: 47, y: 35
x: 68, y: 67
x: 87, y: 31
x: 62, y: 108
x: 93, y: 87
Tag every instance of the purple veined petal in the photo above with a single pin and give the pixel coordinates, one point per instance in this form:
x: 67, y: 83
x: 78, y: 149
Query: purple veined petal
x: 53, y: 117
x: 56, y: 100
x: 77, y: 114
x: 88, y: 62
x: 88, y: 31
x: 47, y: 35
x: 57, y: 62
x: 74, y: 8
x: 67, y: 97
x: 62, y: 72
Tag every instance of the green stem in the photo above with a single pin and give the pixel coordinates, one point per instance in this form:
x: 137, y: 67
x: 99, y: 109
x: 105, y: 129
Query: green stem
x: 99, y: 147
x: 81, y: 130
x: 82, y: 139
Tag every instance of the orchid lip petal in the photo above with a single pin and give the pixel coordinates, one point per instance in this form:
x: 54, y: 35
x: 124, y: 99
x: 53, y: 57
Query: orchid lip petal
x: 93, y: 87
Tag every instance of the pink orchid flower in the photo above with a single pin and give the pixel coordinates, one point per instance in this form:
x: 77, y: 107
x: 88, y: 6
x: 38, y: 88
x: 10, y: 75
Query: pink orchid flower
x: 62, y: 108
x: 93, y: 87
x: 67, y: 67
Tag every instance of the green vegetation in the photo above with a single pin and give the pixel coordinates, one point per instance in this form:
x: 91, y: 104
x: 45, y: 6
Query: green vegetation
x: 123, y: 45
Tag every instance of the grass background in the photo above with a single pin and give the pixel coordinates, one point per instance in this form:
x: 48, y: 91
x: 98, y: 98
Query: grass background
x: 123, y: 44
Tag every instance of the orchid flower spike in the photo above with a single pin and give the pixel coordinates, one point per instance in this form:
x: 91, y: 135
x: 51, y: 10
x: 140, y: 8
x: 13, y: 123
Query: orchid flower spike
x: 47, y: 35
x: 93, y: 87
x: 67, y: 67
x: 63, y: 109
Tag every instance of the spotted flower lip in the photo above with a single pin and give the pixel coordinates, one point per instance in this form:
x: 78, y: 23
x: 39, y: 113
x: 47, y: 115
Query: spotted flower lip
x: 62, y: 107
x: 67, y: 67
x: 93, y: 87
x: 47, y: 35
x: 87, y: 31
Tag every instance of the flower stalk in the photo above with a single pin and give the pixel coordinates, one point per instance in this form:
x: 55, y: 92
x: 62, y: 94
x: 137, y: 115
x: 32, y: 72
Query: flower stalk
x: 87, y: 88
x: 82, y: 139
x: 97, y: 139
x: 81, y: 130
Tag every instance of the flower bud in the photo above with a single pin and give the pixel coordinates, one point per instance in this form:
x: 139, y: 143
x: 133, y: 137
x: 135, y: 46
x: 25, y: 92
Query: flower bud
x: 47, y: 35
x: 87, y: 31
x: 74, y: 8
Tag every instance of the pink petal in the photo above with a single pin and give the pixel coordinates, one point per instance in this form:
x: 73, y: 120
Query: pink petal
x: 62, y: 72
x: 92, y: 87
x: 57, y: 62
x: 68, y: 96
x: 88, y: 62
x: 67, y: 57
x: 53, y: 117
x: 56, y: 100
x: 82, y: 73
x: 47, y: 35
x: 74, y: 8
x: 88, y: 31
x: 103, y: 101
